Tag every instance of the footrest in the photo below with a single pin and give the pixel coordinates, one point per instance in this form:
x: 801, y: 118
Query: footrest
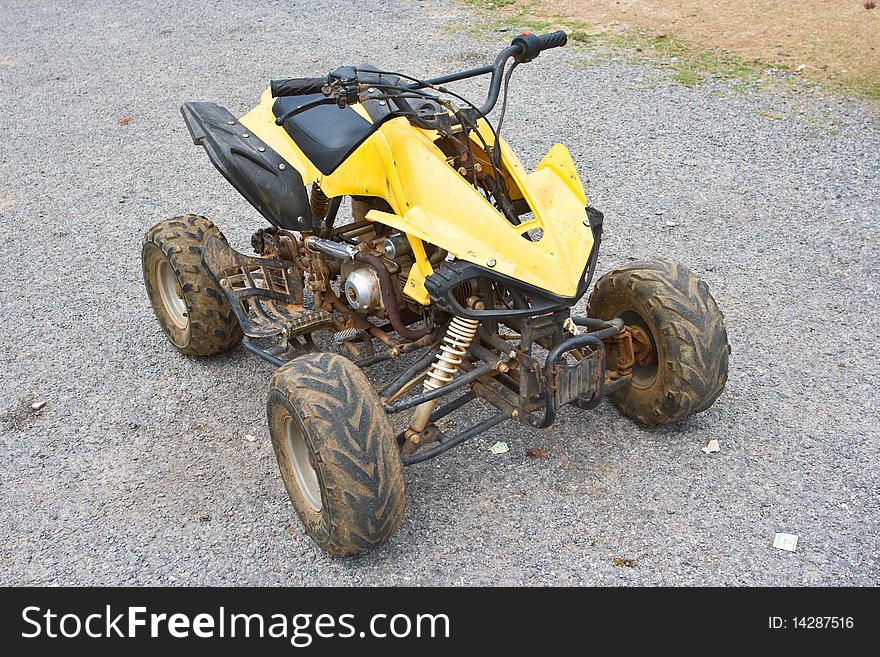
x: 265, y: 295
x: 309, y: 321
x: 579, y: 380
x: 347, y: 335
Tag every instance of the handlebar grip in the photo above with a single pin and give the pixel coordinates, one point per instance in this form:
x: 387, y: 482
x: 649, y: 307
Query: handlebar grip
x: 296, y: 86
x: 554, y: 39
x: 532, y: 45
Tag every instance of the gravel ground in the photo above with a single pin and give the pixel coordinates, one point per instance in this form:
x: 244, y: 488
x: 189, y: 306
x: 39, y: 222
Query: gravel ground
x: 138, y: 470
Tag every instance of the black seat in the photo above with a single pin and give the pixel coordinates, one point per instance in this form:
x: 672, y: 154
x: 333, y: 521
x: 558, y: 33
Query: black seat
x: 326, y: 134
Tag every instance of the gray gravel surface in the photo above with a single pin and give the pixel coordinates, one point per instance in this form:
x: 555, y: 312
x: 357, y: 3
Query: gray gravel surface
x: 138, y: 470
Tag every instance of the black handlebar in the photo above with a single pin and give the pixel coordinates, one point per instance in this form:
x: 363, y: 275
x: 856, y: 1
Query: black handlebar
x: 524, y: 48
x: 297, y: 86
x: 533, y: 45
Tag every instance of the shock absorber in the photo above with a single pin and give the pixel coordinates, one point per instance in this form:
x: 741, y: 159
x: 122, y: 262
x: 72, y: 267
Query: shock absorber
x: 318, y: 202
x: 458, y: 338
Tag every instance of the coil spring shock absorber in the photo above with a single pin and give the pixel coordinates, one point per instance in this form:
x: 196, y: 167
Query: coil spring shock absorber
x: 458, y: 338
x: 318, y: 202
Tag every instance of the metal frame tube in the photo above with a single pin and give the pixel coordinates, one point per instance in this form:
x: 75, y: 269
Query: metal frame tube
x: 593, y: 339
x: 453, y: 406
x: 421, y: 364
x: 262, y: 353
x: 424, y: 455
x: 455, y: 384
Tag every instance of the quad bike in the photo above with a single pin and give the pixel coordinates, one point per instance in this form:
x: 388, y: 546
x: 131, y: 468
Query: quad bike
x: 456, y: 275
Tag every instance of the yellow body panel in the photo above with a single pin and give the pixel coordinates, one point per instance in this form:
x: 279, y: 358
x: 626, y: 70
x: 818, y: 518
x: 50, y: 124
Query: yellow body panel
x: 415, y: 283
x: 433, y: 203
x: 559, y: 161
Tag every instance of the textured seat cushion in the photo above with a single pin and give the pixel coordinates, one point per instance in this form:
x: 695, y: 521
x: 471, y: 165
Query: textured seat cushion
x: 326, y: 134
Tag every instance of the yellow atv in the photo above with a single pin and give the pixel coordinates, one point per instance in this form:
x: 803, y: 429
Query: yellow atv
x: 456, y: 276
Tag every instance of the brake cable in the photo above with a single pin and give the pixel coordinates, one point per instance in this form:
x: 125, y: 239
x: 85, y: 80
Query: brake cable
x: 387, y: 96
x: 305, y: 107
x: 408, y: 93
x: 470, y: 147
x: 497, y: 146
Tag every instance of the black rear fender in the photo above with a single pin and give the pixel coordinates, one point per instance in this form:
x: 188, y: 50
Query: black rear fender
x: 262, y: 176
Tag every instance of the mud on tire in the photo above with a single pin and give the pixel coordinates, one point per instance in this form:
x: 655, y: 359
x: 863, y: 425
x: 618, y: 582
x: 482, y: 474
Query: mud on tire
x: 337, y: 453
x: 687, y: 330
x: 190, y: 308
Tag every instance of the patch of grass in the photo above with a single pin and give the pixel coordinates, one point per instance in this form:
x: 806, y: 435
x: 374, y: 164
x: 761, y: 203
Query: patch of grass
x: 686, y: 63
x: 627, y: 40
x: 667, y: 46
x: 687, y: 75
x: 821, y: 124
x: 489, y: 4
x: 587, y: 38
x: 504, y: 15
x: 863, y: 87
x: 694, y: 67
x: 687, y: 66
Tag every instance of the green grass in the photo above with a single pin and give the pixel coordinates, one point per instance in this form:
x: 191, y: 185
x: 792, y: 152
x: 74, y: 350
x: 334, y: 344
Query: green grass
x: 488, y: 4
x: 687, y: 76
x: 667, y: 46
x: 692, y: 68
x: 866, y: 88
x: 496, y: 15
x: 687, y: 65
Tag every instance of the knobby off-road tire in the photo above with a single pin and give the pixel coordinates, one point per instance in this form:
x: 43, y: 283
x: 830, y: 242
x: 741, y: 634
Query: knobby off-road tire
x: 191, y: 309
x: 675, y: 307
x: 337, y: 453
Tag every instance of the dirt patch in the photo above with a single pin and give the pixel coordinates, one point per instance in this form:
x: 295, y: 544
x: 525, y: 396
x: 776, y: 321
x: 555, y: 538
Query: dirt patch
x: 836, y: 41
x: 21, y: 415
x: 7, y: 60
x: 6, y: 202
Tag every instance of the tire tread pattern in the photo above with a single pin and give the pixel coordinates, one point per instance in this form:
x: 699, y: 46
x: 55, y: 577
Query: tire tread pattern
x: 213, y: 327
x: 364, y: 488
x: 692, y: 332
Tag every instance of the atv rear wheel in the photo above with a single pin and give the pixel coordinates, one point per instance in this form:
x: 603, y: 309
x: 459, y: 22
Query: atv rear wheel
x: 337, y: 453
x: 674, y: 307
x: 190, y: 308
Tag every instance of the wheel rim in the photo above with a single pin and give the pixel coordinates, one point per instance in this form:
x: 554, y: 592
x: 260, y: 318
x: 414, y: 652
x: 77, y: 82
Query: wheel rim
x: 171, y: 294
x: 298, y: 454
x: 642, y: 376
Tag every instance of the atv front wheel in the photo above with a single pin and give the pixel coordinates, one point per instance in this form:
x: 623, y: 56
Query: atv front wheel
x: 688, y: 368
x: 190, y: 308
x: 337, y: 453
